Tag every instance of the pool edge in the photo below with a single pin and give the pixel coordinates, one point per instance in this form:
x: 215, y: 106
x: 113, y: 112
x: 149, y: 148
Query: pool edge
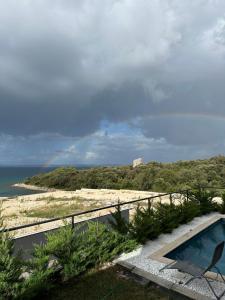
x: 159, y: 255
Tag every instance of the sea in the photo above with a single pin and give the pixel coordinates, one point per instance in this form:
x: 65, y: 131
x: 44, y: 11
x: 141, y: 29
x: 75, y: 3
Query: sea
x: 11, y: 175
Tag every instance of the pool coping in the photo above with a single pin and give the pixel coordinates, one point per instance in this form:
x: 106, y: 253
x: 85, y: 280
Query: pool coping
x: 184, y: 291
x: 159, y: 255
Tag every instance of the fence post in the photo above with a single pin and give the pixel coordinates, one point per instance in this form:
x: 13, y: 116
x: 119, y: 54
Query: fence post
x: 118, y: 204
x: 187, y: 195
x: 72, y: 223
x: 171, y: 199
x: 149, y: 204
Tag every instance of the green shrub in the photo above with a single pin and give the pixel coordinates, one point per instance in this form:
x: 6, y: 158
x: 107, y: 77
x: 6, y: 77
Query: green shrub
x: 11, y: 267
x: 205, y: 200
x: 188, y: 210
x: 145, y: 225
x: 167, y: 216
x: 222, y: 205
x: 119, y: 223
x: 78, y: 251
x: 61, y: 244
x: 149, y: 223
x: 40, y: 278
x: 74, y: 251
x: 105, y: 243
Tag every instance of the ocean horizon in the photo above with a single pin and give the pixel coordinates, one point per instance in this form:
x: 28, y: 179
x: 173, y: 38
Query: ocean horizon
x: 10, y: 175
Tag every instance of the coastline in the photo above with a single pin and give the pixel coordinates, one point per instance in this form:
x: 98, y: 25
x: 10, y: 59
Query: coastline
x: 33, y: 187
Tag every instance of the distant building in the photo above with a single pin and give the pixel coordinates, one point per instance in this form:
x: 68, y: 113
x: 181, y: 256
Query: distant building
x: 137, y: 162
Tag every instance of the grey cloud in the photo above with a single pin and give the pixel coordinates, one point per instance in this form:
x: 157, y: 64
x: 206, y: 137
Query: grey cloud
x: 67, y: 65
x: 98, y: 148
x: 52, y: 55
x: 186, y: 129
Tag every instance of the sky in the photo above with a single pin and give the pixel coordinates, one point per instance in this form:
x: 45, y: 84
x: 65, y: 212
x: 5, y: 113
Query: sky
x: 105, y: 82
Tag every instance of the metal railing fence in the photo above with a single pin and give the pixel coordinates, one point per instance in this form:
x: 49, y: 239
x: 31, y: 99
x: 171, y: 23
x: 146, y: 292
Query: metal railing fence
x: 183, y: 193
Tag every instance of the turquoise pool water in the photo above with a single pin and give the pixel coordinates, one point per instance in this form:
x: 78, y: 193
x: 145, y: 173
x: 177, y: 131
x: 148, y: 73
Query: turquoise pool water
x: 199, y: 249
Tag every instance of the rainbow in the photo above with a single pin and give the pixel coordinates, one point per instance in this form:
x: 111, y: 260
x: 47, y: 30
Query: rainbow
x: 51, y: 161
x: 211, y: 116
x: 217, y: 117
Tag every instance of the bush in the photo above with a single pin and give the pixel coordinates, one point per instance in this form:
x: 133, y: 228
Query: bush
x: 167, y: 216
x: 222, y: 205
x: 61, y: 244
x: 145, y: 225
x: 205, y: 200
x: 69, y: 251
x: 79, y: 251
x: 64, y: 245
x: 188, y: 210
x: 149, y: 223
x: 20, y: 279
x: 11, y: 267
x: 40, y: 272
x: 119, y: 223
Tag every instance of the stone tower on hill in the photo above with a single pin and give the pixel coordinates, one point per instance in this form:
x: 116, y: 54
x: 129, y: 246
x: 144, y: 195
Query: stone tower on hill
x: 137, y: 162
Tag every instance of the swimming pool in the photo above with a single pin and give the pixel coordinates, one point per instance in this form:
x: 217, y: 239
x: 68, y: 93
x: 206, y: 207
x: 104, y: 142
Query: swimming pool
x: 199, y: 249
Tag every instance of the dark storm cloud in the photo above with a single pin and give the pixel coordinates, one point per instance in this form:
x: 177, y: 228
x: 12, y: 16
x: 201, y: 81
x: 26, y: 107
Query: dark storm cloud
x: 33, y: 118
x: 65, y: 66
x: 76, y: 61
x: 186, y: 129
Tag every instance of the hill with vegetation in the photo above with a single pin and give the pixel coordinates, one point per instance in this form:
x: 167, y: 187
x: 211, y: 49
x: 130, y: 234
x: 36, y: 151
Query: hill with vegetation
x: 154, y: 176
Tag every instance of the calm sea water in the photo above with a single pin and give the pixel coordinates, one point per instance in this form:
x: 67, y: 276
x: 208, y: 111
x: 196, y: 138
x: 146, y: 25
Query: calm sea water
x: 11, y: 175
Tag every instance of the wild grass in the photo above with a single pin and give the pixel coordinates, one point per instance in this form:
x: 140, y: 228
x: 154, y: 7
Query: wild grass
x: 52, y: 198
x: 57, y: 210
